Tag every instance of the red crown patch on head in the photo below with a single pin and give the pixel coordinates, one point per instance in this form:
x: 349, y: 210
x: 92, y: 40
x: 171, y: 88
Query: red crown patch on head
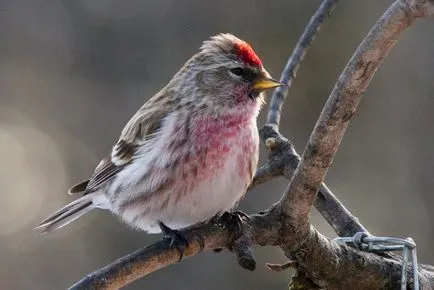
x: 246, y: 54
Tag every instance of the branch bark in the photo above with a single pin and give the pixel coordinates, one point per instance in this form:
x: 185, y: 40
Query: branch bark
x: 341, y: 106
x: 263, y: 230
x: 319, y: 260
x: 291, y: 68
x: 282, y: 161
x: 323, y: 145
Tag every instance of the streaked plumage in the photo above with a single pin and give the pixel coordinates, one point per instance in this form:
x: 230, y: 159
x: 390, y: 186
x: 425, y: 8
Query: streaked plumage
x: 188, y: 153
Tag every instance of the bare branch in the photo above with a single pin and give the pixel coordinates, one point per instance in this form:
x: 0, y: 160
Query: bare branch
x: 336, y: 214
x: 282, y: 161
x: 264, y: 174
x: 213, y: 235
x: 350, y: 267
x: 291, y: 68
x: 286, y: 161
x: 322, y: 262
x: 324, y: 143
x: 341, y: 106
x: 330, y: 266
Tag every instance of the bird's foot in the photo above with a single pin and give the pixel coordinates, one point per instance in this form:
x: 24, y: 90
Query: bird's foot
x: 174, y: 239
x: 234, y: 219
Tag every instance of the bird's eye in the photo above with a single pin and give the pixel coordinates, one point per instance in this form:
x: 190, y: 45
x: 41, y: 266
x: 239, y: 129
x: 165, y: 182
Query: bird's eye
x: 238, y: 71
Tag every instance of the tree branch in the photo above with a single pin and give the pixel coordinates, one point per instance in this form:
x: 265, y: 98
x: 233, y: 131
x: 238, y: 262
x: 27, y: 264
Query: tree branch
x: 282, y: 161
x: 341, y: 106
x: 263, y: 230
x: 291, y: 68
x: 286, y: 224
x: 325, y: 140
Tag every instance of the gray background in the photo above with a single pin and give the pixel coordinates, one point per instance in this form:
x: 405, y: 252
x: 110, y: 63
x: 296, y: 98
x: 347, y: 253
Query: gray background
x: 73, y: 72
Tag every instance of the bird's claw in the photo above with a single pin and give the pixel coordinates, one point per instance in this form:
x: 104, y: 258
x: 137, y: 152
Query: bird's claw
x: 232, y: 220
x: 241, y: 215
x: 174, y: 239
x: 235, y: 218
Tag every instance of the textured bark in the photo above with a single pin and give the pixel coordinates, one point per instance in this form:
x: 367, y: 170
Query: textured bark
x: 320, y: 262
x: 282, y: 161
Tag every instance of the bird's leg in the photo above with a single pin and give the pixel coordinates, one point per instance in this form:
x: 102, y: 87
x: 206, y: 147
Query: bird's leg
x: 174, y: 238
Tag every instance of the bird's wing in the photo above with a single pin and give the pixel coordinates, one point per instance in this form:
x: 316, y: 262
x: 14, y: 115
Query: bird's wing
x: 141, y: 128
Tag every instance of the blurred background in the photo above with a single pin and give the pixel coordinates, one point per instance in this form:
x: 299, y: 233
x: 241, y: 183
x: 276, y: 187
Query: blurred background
x: 73, y: 72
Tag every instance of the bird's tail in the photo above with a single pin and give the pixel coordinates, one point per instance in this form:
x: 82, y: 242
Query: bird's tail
x: 67, y: 214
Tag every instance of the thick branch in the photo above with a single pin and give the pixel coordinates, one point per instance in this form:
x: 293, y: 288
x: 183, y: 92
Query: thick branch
x: 331, y: 266
x: 360, y: 270
x: 328, y: 205
x: 263, y: 230
x: 282, y: 161
x: 286, y: 224
x: 340, y: 108
x: 324, y: 143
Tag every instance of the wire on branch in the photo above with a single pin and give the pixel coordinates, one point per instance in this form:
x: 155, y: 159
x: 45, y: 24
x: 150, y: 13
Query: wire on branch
x: 320, y: 262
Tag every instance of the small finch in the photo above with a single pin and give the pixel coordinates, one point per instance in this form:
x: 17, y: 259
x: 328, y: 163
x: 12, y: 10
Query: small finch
x: 189, y: 153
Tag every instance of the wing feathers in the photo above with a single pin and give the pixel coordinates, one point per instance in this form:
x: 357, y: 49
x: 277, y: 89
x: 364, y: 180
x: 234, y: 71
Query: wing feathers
x: 141, y: 128
x: 81, y: 187
x: 105, y: 172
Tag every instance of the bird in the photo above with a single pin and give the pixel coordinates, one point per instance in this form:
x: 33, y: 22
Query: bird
x: 189, y: 153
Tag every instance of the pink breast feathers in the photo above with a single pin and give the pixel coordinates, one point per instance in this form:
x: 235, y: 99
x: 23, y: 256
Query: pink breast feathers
x: 216, y: 140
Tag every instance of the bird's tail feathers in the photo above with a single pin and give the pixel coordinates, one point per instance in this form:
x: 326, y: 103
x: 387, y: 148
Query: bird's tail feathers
x: 67, y: 214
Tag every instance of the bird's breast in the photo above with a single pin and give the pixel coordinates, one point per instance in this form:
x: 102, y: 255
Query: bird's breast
x: 196, y: 172
x: 220, y: 162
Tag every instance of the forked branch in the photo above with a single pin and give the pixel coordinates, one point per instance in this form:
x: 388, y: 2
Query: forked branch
x: 286, y: 224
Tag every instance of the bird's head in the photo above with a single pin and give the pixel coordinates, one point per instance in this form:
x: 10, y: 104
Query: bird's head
x: 226, y: 73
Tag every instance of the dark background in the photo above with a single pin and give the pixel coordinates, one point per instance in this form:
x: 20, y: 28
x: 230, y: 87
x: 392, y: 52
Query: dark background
x: 73, y: 72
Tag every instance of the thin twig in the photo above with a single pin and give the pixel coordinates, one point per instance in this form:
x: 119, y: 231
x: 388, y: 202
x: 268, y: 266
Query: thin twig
x: 286, y: 224
x: 335, y: 213
x: 291, y: 68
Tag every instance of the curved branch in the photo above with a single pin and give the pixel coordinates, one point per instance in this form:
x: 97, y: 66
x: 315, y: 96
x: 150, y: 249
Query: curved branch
x: 287, y: 224
x: 342, y: 103
x: 282, y: 161
x: 324, y: 143
x: 291, y: 68
x: 335, y: 213
x: 263, y: 229
x: 149, y: 259
x: 350, y: 267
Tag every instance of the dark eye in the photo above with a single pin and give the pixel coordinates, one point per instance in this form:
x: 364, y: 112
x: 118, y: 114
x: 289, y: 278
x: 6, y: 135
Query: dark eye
x: 237, y: 71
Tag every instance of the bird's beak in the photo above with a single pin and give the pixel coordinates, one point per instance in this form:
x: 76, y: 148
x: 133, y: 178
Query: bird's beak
x: 265, y: 83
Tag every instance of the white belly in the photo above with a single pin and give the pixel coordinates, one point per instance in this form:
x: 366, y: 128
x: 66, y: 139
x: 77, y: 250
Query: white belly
x: 218, y: 194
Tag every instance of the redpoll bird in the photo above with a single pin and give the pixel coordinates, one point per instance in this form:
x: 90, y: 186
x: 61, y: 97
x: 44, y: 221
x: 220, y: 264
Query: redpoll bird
x: 190, y: 152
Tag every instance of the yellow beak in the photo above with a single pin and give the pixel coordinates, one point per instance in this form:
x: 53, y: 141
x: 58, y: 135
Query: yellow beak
x: 263, y: 84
